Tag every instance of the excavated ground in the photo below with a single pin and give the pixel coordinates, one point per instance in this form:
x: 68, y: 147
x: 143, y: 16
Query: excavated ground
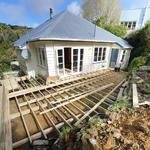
x: 129, y: 130
x: 122, y: 129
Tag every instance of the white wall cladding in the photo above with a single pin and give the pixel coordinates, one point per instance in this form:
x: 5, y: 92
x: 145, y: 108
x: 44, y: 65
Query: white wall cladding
x: 88, y: 58
x: 22, y: 63
x: 51, y: 60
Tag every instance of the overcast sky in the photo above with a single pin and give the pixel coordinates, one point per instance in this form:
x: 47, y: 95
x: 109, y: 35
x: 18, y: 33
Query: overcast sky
x: 34, y: 12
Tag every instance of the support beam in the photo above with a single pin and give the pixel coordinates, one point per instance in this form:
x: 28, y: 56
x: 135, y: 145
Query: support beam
x: 95, y: 107
x: 135, y: 96
x: 77, y: 98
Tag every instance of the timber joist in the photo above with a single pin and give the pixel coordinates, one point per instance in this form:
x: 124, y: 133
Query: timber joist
x: 36, y: 109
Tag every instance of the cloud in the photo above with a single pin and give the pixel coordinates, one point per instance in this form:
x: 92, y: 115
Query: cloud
x: 74, y: 7
x: 13, y: 12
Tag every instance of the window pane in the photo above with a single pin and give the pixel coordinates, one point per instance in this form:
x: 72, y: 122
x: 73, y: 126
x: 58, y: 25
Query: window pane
x: 60, y: 66
x: 40, y: 59
x: 81, y: 57
x: 81, y: 51
x: 100, y: 52
x: 60, y: 59
x: 96, y: 50
x: 99, y: 58
x: 95, y: 58
x: 60, y: 52
x: 74, y: 64
x: 75, y: 51
x: 75, y: 58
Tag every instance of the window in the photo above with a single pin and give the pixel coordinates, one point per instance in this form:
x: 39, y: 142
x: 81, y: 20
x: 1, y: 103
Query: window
x: 41, y: 56
x: 123, y: 55
x: 99, y: 54
x: 129, y: 24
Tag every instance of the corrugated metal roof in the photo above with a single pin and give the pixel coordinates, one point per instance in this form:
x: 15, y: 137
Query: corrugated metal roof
x: 67, y: 26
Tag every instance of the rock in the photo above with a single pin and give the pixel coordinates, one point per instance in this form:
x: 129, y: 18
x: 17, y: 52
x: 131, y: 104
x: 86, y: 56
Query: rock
x: 92, y: 141
x: 113, y: 116
x: 143, y: 127
x: 110, y: 143
x: 109, y: 122
x: 92, y: 131
x: 116, y: 133
x: 140, y: 81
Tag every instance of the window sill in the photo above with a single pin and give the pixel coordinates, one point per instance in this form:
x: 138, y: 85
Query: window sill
x: 99, y: 62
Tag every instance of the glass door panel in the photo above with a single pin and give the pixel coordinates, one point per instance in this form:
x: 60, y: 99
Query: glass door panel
x: 81, y: 60
x: 75, y: 60
x: 60, y: 61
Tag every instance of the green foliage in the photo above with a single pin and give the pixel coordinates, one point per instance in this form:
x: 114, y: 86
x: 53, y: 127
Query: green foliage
x: 116, y: 29
x: 120, y: 104
x: 137, y: 63
x: 65, y: 131
x: 140, y: 40
x: 8, y: 35
x: 147, y: 83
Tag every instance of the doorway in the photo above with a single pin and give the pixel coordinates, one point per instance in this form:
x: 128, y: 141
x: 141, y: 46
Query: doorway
x: 114, y: 56
x: 69, y: 61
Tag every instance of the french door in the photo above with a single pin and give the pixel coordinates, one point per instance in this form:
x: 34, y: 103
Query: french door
x: 60, y: 62
x: 76, y: 61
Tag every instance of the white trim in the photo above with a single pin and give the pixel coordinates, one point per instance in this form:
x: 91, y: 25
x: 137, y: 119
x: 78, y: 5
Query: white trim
x: 41, y: 55
x: 102, y: 54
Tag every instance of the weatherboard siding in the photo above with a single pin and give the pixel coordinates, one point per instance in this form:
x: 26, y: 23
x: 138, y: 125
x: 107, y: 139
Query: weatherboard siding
x: 51, y: 60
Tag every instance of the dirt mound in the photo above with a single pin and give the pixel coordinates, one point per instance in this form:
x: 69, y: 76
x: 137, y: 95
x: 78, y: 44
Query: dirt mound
x: 126, y: 129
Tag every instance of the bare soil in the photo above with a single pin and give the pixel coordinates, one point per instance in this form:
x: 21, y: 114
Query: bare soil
x: 122, y: 129
x: 126, y: 129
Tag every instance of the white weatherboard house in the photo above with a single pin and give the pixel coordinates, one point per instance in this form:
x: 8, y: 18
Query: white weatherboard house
x: 135, y: 18
x: 68, y: 45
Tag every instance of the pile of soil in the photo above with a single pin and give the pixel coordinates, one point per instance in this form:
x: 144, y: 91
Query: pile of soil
x: 125, y: 129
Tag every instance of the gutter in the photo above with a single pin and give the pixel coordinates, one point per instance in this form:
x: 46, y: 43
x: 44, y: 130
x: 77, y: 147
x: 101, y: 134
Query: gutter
x: 73, y: 40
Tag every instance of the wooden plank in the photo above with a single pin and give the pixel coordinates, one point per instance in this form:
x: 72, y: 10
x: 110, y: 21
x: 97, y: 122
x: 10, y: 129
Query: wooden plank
x: 7, y: 124
x: 87, y: 106
x: 34, y: 89
x: 55, y: 110
x: 77, y: 98
x: 1, y: 115
x: 24, y: 123
x: 135, y: 96
x: 36, y: 119
x: 96, y: 106
x: 101, y: 108
x: 54, y: 126
x: 145, y: 103
x: 120, y: 94
x: 38, y: 135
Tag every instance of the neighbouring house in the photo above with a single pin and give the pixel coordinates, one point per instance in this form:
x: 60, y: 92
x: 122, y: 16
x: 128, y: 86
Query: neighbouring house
x: 135, y: 18
x: 67, y: 45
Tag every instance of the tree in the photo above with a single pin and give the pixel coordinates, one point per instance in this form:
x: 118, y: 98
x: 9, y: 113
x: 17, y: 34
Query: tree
x: 94, y: 9
x: 140, y: 40
x: 116, y: 29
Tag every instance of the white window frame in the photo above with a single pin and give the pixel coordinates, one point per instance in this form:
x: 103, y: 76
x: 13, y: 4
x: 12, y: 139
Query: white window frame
x: 102, y: 56
x: 131, y: 25
x: 41, y: 54
x: 123, y: 55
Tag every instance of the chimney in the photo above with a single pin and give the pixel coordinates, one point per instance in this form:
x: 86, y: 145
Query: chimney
x: 51, y: 12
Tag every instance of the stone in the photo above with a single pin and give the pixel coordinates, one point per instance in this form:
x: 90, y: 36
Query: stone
x: 92, y: 141
x: 143, y: 128
x: 116, y: 133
